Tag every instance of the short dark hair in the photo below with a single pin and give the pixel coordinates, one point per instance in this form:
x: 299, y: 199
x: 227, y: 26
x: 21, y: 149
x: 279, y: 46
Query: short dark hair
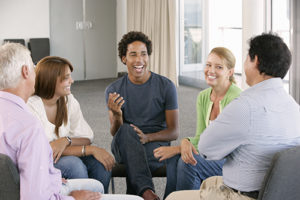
x: 131, y: 37
x: 274, y: 57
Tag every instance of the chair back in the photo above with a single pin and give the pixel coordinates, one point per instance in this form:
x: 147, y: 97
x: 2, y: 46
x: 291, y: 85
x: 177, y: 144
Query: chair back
x: 39, y: 47
x: 10, y: 179
x: 282, y: 180
x: 21, y: 41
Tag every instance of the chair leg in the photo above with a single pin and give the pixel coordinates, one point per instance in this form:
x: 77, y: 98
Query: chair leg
x: 112, y: 185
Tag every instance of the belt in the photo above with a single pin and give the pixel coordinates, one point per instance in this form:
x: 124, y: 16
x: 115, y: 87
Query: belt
x: 252, y: 194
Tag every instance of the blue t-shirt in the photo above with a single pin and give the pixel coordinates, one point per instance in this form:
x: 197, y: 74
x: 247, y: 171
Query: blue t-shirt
x: 145, y: 104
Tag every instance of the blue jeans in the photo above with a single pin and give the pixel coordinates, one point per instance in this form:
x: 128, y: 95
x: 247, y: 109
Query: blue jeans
x: 182, y: 176
x: 138, y: 159
x: 83, y: 167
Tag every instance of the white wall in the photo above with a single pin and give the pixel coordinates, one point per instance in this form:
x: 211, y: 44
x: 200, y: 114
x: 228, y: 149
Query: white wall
x: 121, y: 29
x: 24, y: 19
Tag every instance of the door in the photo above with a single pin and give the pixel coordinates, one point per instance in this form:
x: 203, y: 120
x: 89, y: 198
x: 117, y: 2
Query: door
x: 84, y: 32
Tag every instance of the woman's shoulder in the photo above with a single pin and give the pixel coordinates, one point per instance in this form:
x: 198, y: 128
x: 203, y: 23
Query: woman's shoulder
x: 71, y: 102
x: 234, y: 90
x: 204, y: 93
x: 204, y: 96
x: 35, y: 101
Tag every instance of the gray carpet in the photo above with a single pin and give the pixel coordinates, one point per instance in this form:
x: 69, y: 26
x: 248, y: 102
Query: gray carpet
x: 90, y: 95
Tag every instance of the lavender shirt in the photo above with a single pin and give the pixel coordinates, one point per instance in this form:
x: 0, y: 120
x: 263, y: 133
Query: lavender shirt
x: 22, y: 138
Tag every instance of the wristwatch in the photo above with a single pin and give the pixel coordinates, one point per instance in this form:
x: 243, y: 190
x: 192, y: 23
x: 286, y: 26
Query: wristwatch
x: 69, y: 140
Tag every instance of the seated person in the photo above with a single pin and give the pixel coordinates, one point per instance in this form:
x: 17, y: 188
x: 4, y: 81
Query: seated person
x: 67, y: 131
x: 188, y: 171
x: 143, y: 114
x: 262, y: 121
x: 23, y: 139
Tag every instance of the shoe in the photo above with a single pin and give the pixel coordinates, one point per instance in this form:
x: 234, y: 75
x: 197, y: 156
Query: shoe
x: 150, y: 195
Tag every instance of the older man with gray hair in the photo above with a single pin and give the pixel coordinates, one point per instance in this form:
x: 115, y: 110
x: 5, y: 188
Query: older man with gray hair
x: 22, y: 137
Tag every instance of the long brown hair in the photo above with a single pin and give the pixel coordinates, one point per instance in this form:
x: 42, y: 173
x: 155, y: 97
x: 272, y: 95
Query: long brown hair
x: 48, y: 70
x: 228, y: 56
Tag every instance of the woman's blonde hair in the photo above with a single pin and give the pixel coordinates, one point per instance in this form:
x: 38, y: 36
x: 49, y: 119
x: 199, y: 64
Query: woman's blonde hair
x: 226, y: 55
x: 48, y: 70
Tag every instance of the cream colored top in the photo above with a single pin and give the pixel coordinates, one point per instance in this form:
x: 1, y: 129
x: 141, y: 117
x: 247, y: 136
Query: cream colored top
x: 76, y: 126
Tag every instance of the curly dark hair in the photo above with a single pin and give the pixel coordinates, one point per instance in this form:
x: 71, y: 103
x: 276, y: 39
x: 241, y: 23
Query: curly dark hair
x: 130, y: 37
x: 274, y: 57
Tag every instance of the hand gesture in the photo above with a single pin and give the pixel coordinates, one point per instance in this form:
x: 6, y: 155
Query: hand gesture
x: 58, y: 146
x: 187, y: 150
x: 143, y: 137
x: 85, y: 195
x: 163, y: 153
x: 115, y: 102
x: 104, y: 157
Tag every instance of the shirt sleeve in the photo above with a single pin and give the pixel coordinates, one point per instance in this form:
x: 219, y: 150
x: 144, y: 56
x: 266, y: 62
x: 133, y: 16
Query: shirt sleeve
x: 78, y: 126
x: 227, y: 132
x: 37, y: 179
x: 171, y: 97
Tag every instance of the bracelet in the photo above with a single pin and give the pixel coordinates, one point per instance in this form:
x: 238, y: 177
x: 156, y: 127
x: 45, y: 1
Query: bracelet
x: 83, y: 150
x: 69, y: 140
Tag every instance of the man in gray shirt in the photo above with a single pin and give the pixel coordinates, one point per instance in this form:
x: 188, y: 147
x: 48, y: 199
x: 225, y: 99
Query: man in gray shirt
x: 252, y: 128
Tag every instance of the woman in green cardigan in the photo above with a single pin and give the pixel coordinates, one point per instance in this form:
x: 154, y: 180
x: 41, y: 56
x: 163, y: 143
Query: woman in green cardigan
x: 186, y: 169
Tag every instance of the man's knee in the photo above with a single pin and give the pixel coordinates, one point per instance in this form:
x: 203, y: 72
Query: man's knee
x: 185, y: 194
x: 126, y: 133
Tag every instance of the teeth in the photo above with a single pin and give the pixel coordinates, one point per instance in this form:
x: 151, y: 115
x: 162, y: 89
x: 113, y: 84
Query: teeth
x: 212, y: 77
x: 138, y: 67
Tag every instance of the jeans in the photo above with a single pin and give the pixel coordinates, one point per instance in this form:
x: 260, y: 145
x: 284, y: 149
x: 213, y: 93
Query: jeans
x: 182, y: 176
x: 83, y: 167
x: 81, y: 184
x: 138, y: 159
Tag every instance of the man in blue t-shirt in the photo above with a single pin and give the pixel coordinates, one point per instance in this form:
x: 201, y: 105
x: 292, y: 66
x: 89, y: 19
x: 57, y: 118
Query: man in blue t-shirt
x: 143, y: 113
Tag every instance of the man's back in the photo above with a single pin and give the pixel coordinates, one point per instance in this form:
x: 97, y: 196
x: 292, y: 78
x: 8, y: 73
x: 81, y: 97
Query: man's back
x: 263, y: 121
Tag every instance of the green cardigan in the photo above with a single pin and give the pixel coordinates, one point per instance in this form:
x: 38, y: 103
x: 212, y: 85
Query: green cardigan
x: 204, y: 106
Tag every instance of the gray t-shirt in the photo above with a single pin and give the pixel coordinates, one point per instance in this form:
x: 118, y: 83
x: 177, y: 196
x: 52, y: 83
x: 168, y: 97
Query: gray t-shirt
x: 145, y: 104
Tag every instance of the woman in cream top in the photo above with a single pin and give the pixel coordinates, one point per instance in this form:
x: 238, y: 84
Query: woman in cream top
x: 68, y: 133
x: 76, y: 127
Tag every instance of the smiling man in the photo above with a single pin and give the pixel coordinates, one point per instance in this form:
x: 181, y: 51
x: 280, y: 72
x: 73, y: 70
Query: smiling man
x: 143, y: 113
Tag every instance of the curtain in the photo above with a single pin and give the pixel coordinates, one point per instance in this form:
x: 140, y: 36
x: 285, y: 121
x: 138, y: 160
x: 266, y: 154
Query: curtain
x: 156, y: 18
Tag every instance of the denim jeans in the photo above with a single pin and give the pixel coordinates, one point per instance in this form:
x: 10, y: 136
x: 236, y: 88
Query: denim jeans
x: 83, y: 167
x: 138, y: 159
x: 182, y: 176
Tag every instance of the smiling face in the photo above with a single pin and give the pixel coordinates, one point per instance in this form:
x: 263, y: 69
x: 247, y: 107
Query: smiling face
x: 137, y: 60
x: 216, y: 71
x: 63, y: 83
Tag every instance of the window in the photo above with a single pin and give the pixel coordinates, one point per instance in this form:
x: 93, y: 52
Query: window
x: 280, y: 23
x: 204, y: 25
x: 191, y: 41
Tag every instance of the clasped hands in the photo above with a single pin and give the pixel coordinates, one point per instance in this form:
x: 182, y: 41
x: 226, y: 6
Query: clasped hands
x: 186, y: 149
x: 58, y: 146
